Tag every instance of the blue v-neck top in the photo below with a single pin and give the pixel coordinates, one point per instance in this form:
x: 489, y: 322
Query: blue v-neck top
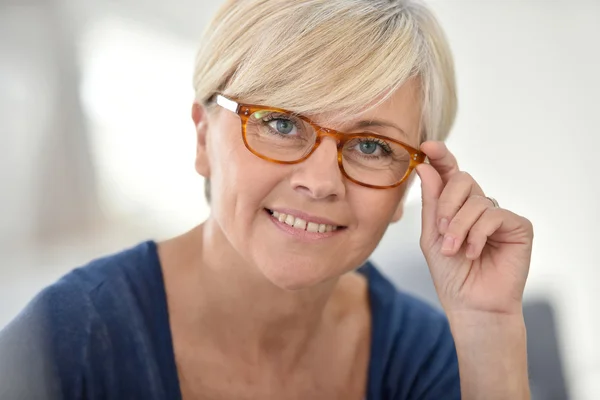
x: 102, y: 332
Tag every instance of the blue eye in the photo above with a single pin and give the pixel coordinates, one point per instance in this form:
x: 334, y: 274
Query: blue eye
x: 372, y: 147
x: 283, y: 126
x: 368, y: 147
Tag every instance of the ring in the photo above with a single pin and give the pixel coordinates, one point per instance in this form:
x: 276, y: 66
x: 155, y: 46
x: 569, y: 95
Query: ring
x: 494, y: 202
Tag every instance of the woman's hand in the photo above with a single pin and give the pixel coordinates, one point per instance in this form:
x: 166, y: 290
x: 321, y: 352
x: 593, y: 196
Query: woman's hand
x: 478, y: 254
x: 479, y: 258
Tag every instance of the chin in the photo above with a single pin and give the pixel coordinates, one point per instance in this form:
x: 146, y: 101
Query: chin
x: 295, y: 275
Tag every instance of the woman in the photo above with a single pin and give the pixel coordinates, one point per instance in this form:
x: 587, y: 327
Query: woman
x: 310, y: 118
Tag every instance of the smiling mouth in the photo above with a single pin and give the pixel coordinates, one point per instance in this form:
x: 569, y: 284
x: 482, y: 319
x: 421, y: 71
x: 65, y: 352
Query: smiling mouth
x: 303, y: 225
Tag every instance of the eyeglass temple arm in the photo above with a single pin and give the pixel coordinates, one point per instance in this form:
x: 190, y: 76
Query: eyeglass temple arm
x: 227, y: 103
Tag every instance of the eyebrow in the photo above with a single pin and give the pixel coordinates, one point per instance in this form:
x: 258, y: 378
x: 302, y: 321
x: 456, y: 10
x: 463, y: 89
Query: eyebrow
x: 381, y: 123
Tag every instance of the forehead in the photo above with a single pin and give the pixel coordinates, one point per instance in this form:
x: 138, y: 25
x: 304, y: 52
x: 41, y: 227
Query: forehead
x: 403, y: 108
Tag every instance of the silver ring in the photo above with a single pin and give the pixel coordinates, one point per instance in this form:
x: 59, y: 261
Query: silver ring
x: 494, y: 202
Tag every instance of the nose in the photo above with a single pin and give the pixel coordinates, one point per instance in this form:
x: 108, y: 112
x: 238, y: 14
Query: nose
x: 319, y: 176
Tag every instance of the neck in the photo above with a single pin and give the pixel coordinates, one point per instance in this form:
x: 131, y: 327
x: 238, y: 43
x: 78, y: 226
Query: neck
x: 247, y: 314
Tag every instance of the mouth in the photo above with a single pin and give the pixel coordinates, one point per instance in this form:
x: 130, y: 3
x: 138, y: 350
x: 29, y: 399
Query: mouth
x: 303, y: 224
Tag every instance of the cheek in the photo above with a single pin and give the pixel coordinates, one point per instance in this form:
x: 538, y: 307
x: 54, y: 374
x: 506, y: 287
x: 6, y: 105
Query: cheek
x: 375, y: 209
x: 240, y: 181
x: 244, y: 175
x: 229, y: 163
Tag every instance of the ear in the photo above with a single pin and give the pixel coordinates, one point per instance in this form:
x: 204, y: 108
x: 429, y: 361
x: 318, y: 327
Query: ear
x: 200, y: 118
x: 400, y: 209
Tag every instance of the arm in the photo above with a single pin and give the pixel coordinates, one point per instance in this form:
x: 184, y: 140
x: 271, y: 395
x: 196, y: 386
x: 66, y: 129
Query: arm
x: 492, y: 356
x: 41, y: 350
x: 27, y: 370
x: 478, y: 255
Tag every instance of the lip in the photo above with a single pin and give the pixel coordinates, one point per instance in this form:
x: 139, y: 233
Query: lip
x: 302, y: 235
x: 306, y: 217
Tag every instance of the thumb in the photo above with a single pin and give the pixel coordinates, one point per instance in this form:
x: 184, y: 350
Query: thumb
x: 431, y: 189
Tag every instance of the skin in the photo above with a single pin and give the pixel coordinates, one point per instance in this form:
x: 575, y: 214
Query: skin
x: 289, y: 318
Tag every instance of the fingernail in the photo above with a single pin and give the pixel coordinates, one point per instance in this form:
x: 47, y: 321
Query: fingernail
x: 448, y: 244
x: 443, y: 226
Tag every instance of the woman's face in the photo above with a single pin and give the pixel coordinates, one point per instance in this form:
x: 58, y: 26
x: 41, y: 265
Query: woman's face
x: 248, y: 193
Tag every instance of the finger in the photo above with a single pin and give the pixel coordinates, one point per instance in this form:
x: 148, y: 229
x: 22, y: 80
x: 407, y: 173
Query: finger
x: 453, y: 197
x: 431, y: 188
x: 441, y: 159
x: 489, y: 222
x: 462, y: 223
x: 500, y: 225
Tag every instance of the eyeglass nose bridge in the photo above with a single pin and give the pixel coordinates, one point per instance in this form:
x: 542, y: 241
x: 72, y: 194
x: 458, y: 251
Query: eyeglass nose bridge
x: 339, y: 137
x: 335, y: 135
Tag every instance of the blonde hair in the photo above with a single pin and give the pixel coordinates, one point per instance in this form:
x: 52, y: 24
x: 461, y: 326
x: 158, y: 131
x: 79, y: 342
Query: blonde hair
x: 328, y: 57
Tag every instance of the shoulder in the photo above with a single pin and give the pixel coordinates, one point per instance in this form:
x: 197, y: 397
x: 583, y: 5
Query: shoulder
x: 87, y: 291
x: 413, y: 353
x: 106, y: 292
x: 112, y: 270
x: 79, y: 319
x: 403, y: 313
x: 73, y: 303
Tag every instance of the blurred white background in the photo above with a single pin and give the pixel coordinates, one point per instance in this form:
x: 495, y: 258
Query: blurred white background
x: 97, y: 144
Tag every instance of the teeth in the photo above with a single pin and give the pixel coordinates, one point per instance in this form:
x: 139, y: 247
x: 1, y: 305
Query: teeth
x: 299, y: 223
x: 290, y: 220
x: 312, y: 227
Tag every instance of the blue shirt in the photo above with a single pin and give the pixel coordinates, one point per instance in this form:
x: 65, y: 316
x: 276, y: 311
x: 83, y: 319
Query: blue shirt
x: 102, y: 332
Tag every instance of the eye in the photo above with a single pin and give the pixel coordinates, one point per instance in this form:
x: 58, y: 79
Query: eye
x: 283, y: 126
x: 373, y: 147
x: 368, y: 147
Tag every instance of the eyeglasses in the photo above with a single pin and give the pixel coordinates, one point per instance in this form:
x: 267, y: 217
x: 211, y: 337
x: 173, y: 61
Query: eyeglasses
x: 282, y: 137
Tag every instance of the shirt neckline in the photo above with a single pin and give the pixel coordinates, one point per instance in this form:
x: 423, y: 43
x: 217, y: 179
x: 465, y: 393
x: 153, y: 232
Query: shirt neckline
x: 375, y: 283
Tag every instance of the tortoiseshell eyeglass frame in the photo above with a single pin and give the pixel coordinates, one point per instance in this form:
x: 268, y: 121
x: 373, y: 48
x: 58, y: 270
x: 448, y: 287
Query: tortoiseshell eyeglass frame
x: 246, y: 110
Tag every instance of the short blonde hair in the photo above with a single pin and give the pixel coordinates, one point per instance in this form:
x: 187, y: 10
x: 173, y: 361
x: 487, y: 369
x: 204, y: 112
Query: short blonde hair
x: 328, y: 57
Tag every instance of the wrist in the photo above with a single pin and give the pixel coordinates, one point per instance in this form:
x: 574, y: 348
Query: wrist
x: 488, y: 330
x: 483, y: 320
x: 492, y: 354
